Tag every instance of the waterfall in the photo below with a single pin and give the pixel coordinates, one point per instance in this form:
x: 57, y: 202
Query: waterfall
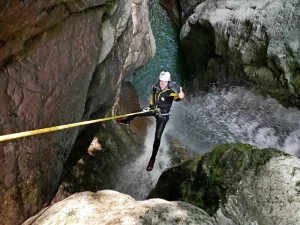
x: 134, y: 179
x: 236, y: 115
x: 204, y: 121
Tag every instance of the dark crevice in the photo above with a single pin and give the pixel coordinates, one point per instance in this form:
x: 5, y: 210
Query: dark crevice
x: 6, y: 62
x: 81, y: 145
x: 95, y: 80
x: 84, y: 139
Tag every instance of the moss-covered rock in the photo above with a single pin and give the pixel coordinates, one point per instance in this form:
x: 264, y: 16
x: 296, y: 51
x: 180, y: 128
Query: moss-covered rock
x: 110, y: 7
x: 169, y: 184
x: 178, y: 152
x: 219, y: 172
x: 207, y: 181
x: 237, y: 184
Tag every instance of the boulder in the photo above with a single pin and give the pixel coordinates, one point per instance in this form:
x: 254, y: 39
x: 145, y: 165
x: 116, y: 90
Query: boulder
x: 237, y: 183
x: 246, y: 43
x: 111, y: 207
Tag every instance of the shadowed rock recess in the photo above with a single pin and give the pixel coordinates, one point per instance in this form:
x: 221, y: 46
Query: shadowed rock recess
x: 61, y: 62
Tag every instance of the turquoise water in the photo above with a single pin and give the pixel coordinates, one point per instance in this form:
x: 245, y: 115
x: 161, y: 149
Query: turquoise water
x: 168, y: 57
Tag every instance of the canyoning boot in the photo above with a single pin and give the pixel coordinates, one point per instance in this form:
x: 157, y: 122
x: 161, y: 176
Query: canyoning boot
x: 150, y: 165
x: 124, y: 122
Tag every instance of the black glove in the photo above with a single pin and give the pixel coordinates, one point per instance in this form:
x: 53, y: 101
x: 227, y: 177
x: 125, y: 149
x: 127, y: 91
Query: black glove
x: 151, y: 107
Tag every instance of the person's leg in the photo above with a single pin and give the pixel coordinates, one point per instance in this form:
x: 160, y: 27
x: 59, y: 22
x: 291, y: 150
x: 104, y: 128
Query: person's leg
x: 129, y: 118
x: 161, y: 122
x: 160, y: 126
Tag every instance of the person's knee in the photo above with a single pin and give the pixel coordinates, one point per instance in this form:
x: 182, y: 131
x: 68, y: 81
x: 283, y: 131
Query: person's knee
x: 157, y: 138
x: 159, y: 134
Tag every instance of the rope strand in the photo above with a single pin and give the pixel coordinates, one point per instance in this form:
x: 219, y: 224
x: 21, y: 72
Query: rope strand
x: 61, y: 127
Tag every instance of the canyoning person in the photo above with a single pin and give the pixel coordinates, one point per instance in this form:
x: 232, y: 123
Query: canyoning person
x: 161, y: 100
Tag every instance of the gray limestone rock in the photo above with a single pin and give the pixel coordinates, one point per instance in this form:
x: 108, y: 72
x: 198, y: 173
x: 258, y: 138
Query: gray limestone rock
x: 256, y: 41
x: 237, y: 184
x: 111, y: 207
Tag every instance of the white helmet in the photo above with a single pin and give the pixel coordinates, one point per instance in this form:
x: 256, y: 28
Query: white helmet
x: 165, y: 76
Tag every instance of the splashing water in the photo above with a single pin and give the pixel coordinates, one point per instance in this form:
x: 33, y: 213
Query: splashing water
x: 236, y: 115
x: 225, y: 116
x: 135, y: 180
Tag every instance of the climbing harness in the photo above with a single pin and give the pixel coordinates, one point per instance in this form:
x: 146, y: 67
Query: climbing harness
x: 61, y: 127
x: 165, y: 114
x: 157, y: 112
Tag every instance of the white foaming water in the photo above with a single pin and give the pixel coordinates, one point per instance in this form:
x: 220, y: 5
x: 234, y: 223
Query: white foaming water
x: 235, y: 115
x: 292, y: 143
x: 134, y: 180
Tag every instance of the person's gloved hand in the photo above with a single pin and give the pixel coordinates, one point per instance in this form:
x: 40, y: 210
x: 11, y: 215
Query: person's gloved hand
x: 151, y: 107
x: 146, y: 109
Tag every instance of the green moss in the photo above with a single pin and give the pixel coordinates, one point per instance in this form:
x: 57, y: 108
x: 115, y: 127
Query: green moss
x: 189, y: 195
x: 192, y: 166
x: 271, y: 81
x: 219, y: 172
x: 294, y: 69
x: 109, y: 8
x: 71, y: 213
x: 71, y: 217
x: 295, y: 77
x: 281, y: 95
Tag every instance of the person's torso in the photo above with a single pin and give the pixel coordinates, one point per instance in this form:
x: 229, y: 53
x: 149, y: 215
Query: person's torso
x: 163, y: 99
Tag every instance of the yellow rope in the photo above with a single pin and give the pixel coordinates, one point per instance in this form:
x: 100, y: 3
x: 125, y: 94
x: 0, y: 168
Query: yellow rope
x: 61, y: 127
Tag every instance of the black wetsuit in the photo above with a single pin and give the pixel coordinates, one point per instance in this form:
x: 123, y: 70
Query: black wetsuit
x: 160, y: 100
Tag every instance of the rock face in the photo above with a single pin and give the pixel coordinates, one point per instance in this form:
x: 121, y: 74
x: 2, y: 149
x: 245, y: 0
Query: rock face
x: 188, y: 6
x: 180, y: 10
x: 111, y: 207
x: 173, y: 10
x: 242, y: 42
x: 238, y: 184
x: 61, y: 62
x: 112, y: 147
